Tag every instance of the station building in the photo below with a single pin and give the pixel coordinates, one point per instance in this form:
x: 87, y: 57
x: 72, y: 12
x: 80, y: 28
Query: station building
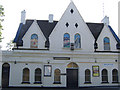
x: 65, y: 53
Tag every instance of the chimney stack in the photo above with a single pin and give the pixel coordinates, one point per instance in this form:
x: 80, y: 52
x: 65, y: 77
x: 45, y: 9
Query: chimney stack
x: 23, y: 15
x: 50, y: 18
x: 105, y: 20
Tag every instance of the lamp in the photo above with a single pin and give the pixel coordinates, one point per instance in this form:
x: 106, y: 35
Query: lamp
x: 15, y: 62
x: 72, y: 46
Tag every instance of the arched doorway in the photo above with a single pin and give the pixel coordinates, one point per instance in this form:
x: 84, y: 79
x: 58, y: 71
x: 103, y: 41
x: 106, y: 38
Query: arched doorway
x: 72, y: 75
x: 5, y: 74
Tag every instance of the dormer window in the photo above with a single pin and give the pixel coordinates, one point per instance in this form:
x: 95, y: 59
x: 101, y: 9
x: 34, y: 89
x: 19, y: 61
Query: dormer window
x: 34, y: 41
x: 106, y: 43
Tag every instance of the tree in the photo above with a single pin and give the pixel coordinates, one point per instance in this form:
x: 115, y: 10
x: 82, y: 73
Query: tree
x: 10, y: 45
x: 1, y: 20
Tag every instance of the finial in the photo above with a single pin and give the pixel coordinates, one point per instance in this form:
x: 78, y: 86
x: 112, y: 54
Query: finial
x: 103, y: 9
x: 71, y: 0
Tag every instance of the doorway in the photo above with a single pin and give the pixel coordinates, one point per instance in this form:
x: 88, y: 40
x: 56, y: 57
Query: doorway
x: 72, y: 75
x: 5, y: 75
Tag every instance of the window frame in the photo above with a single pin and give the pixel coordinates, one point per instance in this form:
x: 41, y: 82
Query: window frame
x: 67, y: 46
x: 57, y: 76
x: 115, y: 80
x: 31, y: 41
x: 38, y: 75
x: 106, y: 45
x: 104, y: 76
x: 87, y: 76
x: 79, y: 40
x: 26, y: 75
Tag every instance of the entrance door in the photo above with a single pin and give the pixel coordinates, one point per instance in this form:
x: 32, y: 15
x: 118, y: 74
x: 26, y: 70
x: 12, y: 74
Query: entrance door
x: 72, y: 78
x: 72, y: 75
x: 5, y: 74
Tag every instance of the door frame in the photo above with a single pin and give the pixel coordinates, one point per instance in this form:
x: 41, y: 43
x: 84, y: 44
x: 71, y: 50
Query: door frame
x: 4, y: 67
x: 72, y: 67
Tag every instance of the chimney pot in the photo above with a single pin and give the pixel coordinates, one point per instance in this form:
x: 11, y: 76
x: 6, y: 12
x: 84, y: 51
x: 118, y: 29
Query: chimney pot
x: 105, y: 20
x: 50, y: 18
x: 23, y: 15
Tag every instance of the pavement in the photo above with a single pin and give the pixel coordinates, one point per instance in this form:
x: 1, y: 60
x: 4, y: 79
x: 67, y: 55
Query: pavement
x: 90, y: 88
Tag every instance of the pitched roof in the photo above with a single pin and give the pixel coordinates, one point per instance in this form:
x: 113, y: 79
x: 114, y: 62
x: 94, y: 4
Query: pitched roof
x: 23, y: 28
x: 47, y: 28
x: 44, y: 25
x: 113, y: 33
x: 95, y: 29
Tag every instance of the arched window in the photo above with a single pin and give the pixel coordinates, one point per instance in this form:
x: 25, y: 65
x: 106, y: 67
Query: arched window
x: 34, y: 41
x: 106, y: 43
x: 66, y: 40
x: 57, y: 76
x: 26, y: 75
x: 77, y: 41
x: 38, y: 76
x: 72, y: 65
x: 115, y: 76
x: 104, y: 76
x: 87, y: 76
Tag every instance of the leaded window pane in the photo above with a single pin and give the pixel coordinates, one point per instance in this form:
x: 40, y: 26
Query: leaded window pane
x: 66, y: 40
x: 34, y: 41
x: 77, y: 41
x: 106, y: 43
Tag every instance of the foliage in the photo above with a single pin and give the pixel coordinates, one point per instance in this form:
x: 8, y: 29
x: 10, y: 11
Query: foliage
x: 1, y: 20
x: 10, y: 45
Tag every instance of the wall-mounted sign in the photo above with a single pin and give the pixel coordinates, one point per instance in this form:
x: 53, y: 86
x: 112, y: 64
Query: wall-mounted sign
x: 61, y: 58
x: 47, y: 70
x: 108, y: 64
x: 95, y: 71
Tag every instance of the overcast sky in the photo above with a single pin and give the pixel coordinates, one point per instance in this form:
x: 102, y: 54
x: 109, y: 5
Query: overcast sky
x: 91, y: 11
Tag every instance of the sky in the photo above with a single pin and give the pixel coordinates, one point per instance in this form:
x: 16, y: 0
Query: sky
x: 90, y: 10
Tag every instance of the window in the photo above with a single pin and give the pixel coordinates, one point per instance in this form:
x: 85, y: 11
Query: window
x: 26, y: 75
x: 34, y: 41
x: 115, y: 76
x: 67, y: 24
x: 66, y: 40
x: 106, y: 43
x: 87, y: 76
x: 76, y: 25
x: 77, y: 41
x: 104, y: 76
x: 72, y: 65
x: 72, y: 11
x: 57, y: 76
x: 38, y: 76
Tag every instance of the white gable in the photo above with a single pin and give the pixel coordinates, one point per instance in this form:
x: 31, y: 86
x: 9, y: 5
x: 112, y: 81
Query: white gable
x: 106, y: 33
x: 34, y: 29
x: 72, y: 17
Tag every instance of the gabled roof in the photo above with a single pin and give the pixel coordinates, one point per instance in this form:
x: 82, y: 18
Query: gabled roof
x: 95, y: 29
x: 44, y: 25
x: 23, y: 28
x: 113, y: 33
